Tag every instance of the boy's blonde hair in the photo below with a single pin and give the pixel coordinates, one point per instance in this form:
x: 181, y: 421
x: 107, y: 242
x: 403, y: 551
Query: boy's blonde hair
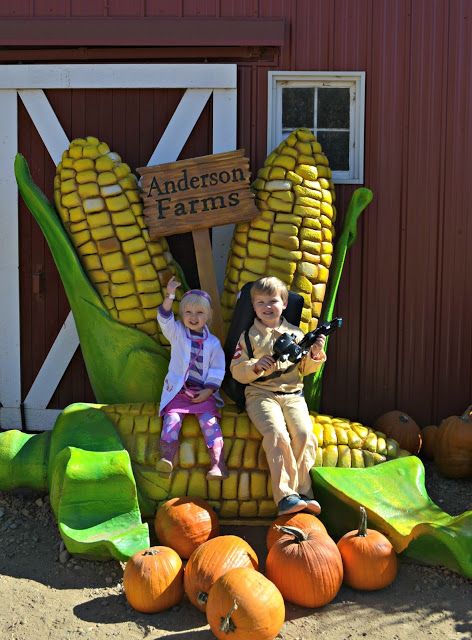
x: 270, y: 286
x: 196, y: 300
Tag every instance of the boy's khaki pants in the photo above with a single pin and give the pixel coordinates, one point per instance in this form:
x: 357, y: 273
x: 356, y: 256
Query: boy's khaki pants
x: 288, y: 439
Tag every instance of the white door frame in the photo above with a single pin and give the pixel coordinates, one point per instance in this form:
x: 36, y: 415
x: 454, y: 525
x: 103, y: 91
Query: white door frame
x: 29, y: 82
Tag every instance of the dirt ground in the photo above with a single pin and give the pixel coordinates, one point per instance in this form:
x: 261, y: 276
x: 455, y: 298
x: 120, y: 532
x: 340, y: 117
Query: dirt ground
x: 46, y: 594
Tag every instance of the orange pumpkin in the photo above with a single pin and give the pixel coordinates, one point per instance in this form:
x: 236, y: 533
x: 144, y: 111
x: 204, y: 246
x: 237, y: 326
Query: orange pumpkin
x: 453, y: 453
x: 213, y: 559
x: 402, y: 428
x: 428, y: 445
x: 244, y: 605
x: 303, y: 521
x: 153, y: 579
x: 184, y: 523
x: 369, y: 560
x: 306, y: 566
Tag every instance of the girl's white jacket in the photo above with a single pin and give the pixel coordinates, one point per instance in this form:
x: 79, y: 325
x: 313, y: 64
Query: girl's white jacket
x: 213, y: 357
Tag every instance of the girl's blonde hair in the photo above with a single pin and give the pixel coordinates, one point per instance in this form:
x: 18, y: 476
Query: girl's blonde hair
x: 191, y: 299
x: 270, y: 286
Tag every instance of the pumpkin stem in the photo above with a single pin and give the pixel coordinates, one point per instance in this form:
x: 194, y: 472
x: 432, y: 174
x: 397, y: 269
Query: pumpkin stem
x: 151, y: 552
x: 403, y: 418
x: 362, y: 530
x: 227, y: 625
x: 202, y: 597
x: 297, y: 533
x: 467, y: 414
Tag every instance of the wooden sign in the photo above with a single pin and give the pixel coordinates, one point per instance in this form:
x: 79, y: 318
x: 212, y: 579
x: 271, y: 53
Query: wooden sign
x: 195, y: 195
x: 200, y: 193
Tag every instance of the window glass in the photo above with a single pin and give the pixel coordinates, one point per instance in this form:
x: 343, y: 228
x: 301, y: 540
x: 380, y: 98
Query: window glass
x: 297, y: 108
x: 333, y: 108
x: 336, y: 147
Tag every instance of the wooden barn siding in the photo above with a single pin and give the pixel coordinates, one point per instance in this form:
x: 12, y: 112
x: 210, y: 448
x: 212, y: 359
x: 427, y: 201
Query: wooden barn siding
x: 406, y: 294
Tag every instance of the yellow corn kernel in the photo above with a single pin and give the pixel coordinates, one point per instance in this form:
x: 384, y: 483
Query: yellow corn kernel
x: 83, y: 164
x: 104, y: 163
x: 124, y: 291
x: 91, y: 262
x: 70, y: 200
x: 279, y: 205
x: 257, y: 249
x: 93, y: 205
x: 98, y: 220
x: 123, y: 218
x: 98, y: 276
x: 260, y: 236
x: 258, y: 487
x: 127, y: 303
x: 281, y: 240
x: 106, y: 178
x: 83, y: 177
x: 288, y: 218
x: 307, y: 171
x: 113, y: 261
x: 110, y: 190
x: 286, y: 254
x: 122, y: 170
x: 285, y: 266
x: 118, y: 203
x: 100, y: 233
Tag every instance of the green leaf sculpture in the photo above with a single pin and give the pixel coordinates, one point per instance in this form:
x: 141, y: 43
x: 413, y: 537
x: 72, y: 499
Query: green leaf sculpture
x: 397, y: 504
x: 361, y: 198
x: 87, y: 471
x: 123, y: 363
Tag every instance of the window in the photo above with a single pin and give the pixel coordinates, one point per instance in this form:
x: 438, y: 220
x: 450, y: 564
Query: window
x: 331, y: 105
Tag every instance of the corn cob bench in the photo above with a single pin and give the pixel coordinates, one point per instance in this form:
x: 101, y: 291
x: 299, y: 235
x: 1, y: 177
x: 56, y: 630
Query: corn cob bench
x: 98, y: 465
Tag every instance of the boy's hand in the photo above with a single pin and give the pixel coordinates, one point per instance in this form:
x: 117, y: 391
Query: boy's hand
x: 202, y: 395
x: 317, y: 347
x: 266, y: 364
x: 172, y: 285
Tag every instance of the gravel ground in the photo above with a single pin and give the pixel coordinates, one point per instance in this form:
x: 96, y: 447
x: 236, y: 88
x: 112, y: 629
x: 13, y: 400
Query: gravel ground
x: 44, y: 592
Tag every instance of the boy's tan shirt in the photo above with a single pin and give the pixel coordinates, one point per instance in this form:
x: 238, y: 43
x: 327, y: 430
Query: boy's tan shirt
x: 262, y: 341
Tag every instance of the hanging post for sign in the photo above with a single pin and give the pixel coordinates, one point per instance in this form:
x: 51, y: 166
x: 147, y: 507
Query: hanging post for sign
x: 195, y: 195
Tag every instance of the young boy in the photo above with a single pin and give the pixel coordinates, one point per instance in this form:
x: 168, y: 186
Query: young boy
x: 275, y: 403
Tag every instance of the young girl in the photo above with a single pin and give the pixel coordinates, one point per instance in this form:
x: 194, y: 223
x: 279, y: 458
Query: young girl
x: 196, y: 370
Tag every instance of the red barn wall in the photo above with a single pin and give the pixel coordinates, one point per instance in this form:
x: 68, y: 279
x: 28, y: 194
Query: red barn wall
x: 406, y: 293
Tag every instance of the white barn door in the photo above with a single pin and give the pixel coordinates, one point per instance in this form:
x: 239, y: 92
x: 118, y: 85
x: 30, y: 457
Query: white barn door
x: 29, y: 82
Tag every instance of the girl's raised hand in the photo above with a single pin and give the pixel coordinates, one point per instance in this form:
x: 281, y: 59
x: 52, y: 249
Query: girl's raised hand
x: 172, y: 285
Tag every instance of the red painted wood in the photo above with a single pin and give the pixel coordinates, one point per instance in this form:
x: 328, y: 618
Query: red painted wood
x: 120, y: 31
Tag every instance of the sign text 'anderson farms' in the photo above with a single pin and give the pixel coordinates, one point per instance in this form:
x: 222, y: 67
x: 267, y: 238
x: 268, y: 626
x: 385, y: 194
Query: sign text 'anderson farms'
x: 197, y: 194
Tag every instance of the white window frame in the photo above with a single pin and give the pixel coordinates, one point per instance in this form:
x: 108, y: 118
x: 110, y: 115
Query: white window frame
x: 355, y: 80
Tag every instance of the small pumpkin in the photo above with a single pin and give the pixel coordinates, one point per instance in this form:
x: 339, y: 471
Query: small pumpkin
x: 303, y: 521
x: 306, y: 566
x: 369, y: 559
x: 153, y: 579
x: 402, y: 428
x: 210, y: 561
x: 244, y: 605
x: 428, y: 444
x: 185, y: 523
x: 453, y: 452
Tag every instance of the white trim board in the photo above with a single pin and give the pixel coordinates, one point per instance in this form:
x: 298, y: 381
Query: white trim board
x: 118, y: 76
x: 200, y: 81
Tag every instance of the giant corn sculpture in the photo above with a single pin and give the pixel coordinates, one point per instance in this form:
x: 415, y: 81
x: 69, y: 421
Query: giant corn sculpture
x: 98, y: 200
x: 113, y: 275
x: 292, y: 238
x: 83, y: 461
